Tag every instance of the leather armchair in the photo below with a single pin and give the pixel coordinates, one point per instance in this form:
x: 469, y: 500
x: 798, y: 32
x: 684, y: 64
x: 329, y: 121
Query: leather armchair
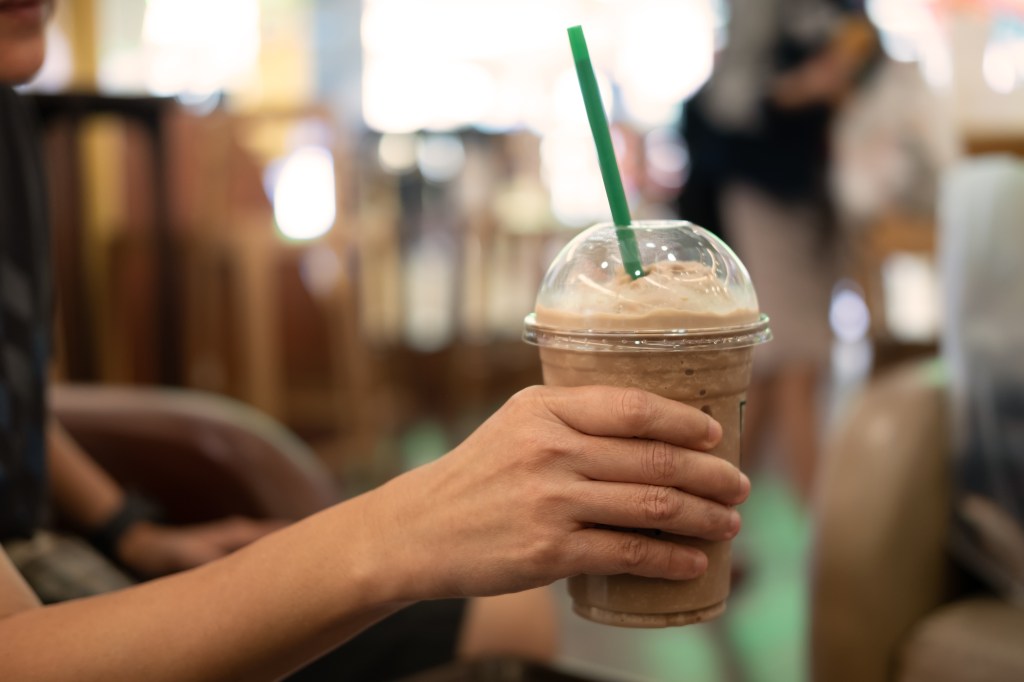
x: 887, y: 601
x: 198, y: 456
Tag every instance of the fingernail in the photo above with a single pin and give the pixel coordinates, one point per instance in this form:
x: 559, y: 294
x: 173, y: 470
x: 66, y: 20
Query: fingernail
x: 714, y: 431
x: 743, y: 488
x: 734, y: 523
x: 700, y: 564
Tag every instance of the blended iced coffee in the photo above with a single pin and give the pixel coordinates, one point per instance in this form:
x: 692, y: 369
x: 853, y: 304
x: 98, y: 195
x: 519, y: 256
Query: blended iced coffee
x: 685, y: 330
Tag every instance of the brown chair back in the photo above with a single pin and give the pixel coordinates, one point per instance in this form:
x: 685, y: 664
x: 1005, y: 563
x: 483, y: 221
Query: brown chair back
x: 199, y: 456
x: 879, y: 558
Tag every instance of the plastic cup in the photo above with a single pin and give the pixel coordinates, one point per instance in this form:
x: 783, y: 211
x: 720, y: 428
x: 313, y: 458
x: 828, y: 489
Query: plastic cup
x: 686, y: 331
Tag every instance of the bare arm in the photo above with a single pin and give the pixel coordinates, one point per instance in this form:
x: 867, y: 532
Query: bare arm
x: 254, y: 615
x: 86, y: 497
x: 82, y: 491
x: 515, y: 506
x: 828, y: 77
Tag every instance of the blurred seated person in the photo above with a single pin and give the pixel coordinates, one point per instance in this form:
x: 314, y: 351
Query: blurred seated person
x: 118, y: 542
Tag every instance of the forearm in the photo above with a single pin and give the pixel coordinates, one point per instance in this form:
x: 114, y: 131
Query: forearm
x: 84, y: 494
x: 254, y: 615
x: 524, y: 501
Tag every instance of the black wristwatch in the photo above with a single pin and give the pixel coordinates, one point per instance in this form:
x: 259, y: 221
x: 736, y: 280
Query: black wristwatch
x: 134, y: 510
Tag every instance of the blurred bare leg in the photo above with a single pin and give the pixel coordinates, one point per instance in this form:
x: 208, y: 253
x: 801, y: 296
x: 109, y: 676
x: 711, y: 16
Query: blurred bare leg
x: 796, y: 395
x: 521, y: 625
x: 757, y: 416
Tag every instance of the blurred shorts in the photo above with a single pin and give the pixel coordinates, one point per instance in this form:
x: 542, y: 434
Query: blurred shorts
x: 62, y: 567
x: 793, y: 268
x: 420, y: 637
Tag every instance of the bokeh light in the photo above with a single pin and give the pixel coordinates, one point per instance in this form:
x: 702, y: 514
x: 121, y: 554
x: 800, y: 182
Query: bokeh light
x: 666, y: 54
x: 396, y: 152
x: 848, y: 315
x: 303, y: 193
x: 910, y: 286
x: 187, y: 46
x: 910, y: 31
x: 440, y: 158
x: 505, y: 64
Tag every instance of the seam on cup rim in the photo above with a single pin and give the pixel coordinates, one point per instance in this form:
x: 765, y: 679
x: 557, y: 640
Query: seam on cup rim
x: 644, y: 340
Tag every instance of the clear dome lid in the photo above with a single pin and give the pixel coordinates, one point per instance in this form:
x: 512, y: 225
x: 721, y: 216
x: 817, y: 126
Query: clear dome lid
x: 694, y: 292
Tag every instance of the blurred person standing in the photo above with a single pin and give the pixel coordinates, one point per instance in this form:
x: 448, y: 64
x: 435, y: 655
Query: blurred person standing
x: 758, y: 140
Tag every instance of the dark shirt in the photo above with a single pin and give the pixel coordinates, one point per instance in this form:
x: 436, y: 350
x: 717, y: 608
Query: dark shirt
x: 25, y: 310
x: 785, y: 156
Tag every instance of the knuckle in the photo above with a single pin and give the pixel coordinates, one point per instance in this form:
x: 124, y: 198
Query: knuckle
x: 555, y: 499
x: 635, y: 551
x: 535, y: 498
x: 546, y: 551
x: 543, y: 449
x: 657, y: 504
x: 658, y: 462
x: 534, y: 447
x: 634, y: 408
x: 526, y: 396
x: 710, y: 519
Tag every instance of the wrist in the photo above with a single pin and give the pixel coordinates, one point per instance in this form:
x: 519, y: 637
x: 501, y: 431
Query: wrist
x: 138, y: 546
x: 108, y: 538
x: 381, y: 559
x: 378, y: 564
x: 404, y: 560
x: 341, y: 555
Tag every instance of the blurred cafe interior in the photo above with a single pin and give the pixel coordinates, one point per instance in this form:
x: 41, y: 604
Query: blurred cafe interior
x: 325, y: 220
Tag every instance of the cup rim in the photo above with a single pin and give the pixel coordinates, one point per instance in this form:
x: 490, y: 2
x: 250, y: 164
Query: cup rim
x: 591, y: 340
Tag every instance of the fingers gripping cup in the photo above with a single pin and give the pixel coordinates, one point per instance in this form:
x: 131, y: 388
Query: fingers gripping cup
x: 685, y: 330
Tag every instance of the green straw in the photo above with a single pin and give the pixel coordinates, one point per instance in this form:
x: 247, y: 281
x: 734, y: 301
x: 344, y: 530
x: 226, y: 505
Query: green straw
x: 606, y: 154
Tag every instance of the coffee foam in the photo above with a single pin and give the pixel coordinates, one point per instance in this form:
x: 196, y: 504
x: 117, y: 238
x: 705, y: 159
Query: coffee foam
x: 673, y: 295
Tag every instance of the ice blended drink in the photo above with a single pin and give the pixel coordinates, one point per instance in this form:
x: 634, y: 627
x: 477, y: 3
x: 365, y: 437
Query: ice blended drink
x: 685, y: 330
